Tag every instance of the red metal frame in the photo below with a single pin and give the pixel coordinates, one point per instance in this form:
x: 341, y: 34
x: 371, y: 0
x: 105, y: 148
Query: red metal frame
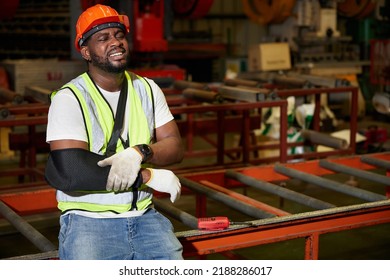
x: 227, y: 118
x: 197, y: 120
x: 221, y: 119
x: 309, y: 225
x: 28, y: 116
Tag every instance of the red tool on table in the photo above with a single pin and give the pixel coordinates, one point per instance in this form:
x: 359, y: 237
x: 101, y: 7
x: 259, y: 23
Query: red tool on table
x: 218, y: 223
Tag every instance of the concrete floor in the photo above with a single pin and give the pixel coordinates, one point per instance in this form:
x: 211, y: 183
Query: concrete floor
x: 371, y: 243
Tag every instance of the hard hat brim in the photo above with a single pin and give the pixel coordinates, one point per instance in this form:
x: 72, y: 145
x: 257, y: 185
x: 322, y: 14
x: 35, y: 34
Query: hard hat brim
x: 100, y: 27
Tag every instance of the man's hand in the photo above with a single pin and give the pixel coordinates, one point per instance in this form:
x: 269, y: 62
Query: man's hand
x: 125, y: 166
x: 163, y: 180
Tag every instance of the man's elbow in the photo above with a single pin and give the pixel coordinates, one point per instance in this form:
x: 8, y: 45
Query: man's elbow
x: 180, y: 153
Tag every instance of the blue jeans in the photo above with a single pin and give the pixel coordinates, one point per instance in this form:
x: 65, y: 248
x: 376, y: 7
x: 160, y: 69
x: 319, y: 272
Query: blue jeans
x: 147, y: 237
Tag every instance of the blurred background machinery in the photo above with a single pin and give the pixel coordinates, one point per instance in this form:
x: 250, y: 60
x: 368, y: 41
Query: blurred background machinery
x: 250, y: 82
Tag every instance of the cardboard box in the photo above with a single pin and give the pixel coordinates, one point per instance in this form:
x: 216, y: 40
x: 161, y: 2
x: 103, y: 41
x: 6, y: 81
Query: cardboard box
x: 269, y: 57
x: 46, y: 73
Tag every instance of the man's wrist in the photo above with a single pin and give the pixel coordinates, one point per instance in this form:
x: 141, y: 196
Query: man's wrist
x: 146, y: 152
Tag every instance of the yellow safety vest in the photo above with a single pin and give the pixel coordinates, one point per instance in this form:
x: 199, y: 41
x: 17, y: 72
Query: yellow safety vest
x: 99, y: 122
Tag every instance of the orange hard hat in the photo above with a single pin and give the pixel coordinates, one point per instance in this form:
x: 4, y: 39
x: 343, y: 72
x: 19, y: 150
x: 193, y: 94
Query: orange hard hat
x: 97, y: 18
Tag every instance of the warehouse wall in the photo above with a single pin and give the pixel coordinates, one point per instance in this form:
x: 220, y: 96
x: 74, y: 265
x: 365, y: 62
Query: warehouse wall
x: 227, y: 24
x: 45, y: 28
x: 38, y: 29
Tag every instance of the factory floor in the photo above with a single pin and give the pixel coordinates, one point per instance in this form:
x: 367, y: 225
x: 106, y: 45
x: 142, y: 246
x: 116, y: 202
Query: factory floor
x: 369, y: 243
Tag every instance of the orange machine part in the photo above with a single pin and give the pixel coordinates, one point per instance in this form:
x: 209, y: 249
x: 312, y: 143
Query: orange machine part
x: 368, y: 10
x: 268, y: 11
x: 192, y: 9
x: 356, y: 8
x: 251, y: 10
x: 285, y: 10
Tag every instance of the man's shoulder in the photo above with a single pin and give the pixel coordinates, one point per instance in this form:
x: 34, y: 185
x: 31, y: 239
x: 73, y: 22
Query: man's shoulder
x: 136, y: 77
x: 71, y: 82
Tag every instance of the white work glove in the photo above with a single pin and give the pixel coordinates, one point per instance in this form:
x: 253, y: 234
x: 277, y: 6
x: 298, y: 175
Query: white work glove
x: 125, y: 166
x: 163, y: 180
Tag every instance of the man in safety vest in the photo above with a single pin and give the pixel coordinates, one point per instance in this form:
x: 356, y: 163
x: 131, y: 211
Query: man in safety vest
x: 101, y: 166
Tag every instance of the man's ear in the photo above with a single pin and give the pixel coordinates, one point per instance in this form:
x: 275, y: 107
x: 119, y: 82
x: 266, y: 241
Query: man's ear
x: 85, y: 53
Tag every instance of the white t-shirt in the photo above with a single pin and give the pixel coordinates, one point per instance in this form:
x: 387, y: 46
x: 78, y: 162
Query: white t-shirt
x: 65, y: 121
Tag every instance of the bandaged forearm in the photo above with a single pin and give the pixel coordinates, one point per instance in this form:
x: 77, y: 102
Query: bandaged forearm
x: 76, y: 170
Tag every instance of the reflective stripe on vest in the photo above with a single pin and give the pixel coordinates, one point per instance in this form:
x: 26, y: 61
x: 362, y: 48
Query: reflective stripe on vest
x: 99, y: 122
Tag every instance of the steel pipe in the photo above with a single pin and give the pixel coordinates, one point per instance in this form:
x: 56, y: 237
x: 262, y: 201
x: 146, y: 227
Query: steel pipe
x: 233, y: 203
x: 202, y: 95
x: 244, y: 94
x: 40, y: 241
x: 241, y: 82
x: 328, y: 184
x: 376, y: 162
x: 10, y: 96
x: 180, y: 84
x: 321, y: 81
x: 277, y: 190
x: 296, y: 82
x: 51, y: 255
x: 244, y: 198
x: 176, y: 213
x: 320, y: 138
x: 381, y: 179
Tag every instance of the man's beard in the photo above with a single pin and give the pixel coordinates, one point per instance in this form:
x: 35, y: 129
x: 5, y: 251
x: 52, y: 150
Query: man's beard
x: 107, y: 66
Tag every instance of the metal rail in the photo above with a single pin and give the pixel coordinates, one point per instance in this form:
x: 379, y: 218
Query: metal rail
x: 381, y: 179
x: 376, y: 162
x: 40, y: 241
x: 309, y: 225
x: 277, y: 190
x: 235, y: 204
x: 246, y: 199
x: 329, y: 184
x: 317, y: 92
x: 224, y: 121
x: 305, y: 225
x: 264, y: 230
x: 176, y: 213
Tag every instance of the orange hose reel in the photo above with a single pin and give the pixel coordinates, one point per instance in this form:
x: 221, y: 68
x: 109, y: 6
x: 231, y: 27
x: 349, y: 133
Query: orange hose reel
x: 192, y: 9
x: 268, y: 11
x: 356, y: 8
